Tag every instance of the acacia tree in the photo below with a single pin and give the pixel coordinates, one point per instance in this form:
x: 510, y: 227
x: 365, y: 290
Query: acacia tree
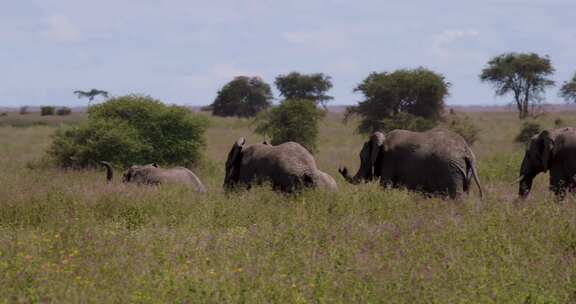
x: 91, y: 94
x: 414, y: 97
x: 568, y: 90
x: 243, y: 97
x: 525, y: 75
x: 305, y: 87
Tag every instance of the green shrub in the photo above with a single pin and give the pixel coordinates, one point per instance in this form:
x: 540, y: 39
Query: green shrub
x: 404, y: 121
x: 559, y: 122
x: 47, y: 110
x: 64, y: 111
x: 293, y: 120
x: 132, y: 129
x: 529, y: 129
x: 465, y: 127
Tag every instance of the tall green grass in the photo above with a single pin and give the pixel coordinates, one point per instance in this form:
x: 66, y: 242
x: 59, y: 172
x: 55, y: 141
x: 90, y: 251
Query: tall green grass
x: 67, y: 236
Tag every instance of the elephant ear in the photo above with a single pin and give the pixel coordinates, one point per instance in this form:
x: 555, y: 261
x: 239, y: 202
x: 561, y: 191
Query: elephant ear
x: 376, y: 141
x: 546, y: 149
x: 235, y: 153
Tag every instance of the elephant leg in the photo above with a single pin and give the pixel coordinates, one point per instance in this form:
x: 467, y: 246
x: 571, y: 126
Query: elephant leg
x: 558, y: 185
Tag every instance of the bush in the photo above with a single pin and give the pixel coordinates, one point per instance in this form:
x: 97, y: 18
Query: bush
x: 23, y: 110
x: 132, y: 129
x: 404, y: 121
x: 529, y: 129
x: 559, y: 122
x: 293, y: 120
x: 47, y: 110
x: 64, y: 111
x: 465, y: 127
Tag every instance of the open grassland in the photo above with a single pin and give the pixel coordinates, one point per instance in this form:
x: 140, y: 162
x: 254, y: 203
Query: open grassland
x: 67, y: 236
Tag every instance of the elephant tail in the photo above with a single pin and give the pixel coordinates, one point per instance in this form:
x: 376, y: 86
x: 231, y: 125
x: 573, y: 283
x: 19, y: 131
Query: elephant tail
x: 470, y: 167
x: 109, y: 171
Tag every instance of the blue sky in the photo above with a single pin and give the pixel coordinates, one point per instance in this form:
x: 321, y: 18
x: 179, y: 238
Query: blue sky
x: 183, y: 51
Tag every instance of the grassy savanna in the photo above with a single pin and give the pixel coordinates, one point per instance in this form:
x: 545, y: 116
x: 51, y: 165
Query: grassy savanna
x: 67, y: 236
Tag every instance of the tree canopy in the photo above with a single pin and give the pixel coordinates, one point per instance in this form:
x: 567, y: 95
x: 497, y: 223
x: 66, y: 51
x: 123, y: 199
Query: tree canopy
x: 418, y: 92
x: 568, y: 90
x: 132, y: 129
x: 305, y: 86
x: 243, y: 97
x: 525, y: 75
x: 91, y: 94
x: 293, y: 120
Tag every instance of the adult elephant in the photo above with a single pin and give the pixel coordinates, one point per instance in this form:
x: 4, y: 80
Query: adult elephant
x: 288, y: 167
x: 153, y: 174
x: 435, y: 162
x: 554, y: 150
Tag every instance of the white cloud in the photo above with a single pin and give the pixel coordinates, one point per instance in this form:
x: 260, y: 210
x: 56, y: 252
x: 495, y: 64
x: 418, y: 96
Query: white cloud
x: 450, y: 36
x: 456, y: 46
x: 343, y: 65
x: 218, y: 75
x: 61, y: 29
x: 225, y: 71
x: 317, y: 38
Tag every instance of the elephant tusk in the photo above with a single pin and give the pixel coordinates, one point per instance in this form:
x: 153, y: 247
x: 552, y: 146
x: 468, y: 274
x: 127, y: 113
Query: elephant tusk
x: 518, y: 180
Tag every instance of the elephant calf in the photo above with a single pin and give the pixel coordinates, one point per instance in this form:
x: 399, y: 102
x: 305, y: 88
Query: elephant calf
x: 288, y: 166
x: 554, y: 150
x: 435, y: 162
x: 152, y: 174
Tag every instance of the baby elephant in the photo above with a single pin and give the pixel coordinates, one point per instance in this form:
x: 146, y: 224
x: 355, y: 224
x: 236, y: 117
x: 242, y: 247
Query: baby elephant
x: 289, y: 167
x: 152, y: 174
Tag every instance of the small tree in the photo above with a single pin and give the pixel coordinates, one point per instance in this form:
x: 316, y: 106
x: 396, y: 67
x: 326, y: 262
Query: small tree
x: 47, y: 110
x: 529, y: 129
x: 463, y: 126
x: 91, y: 94
x: 419, y: 92
x: 23, y: 110
x: 243, y: 97
x: 523, y: 75
x: 305, y: 86
x: 64, y: 111
x: 404, y: 121
x: 132, y: 129
x: 568, y: 90
x: 293, y: 120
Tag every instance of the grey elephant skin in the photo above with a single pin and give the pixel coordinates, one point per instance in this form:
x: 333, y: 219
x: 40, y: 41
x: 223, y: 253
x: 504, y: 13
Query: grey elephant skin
x: 554, y: 150
x: 153, y: 174
x: 288, y: 167
x: 437, y: 162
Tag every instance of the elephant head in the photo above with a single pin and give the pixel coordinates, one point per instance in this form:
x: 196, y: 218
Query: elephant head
x: 133, y: 174
x: 368, y: 160
x: 536, y: 159
x: 233, y: 163
x: 138, y: 174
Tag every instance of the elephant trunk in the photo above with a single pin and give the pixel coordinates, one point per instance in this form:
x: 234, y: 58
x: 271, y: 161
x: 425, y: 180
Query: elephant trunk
x: 525, y: 186
x: 109, y: 171
x: 354, y: 180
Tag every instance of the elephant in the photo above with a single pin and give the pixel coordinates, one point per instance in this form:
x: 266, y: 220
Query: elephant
x: 288, y: 166
x: 554, y: 150
x: 326, y: 181
x: 153, y: 174
x: 437, y: 162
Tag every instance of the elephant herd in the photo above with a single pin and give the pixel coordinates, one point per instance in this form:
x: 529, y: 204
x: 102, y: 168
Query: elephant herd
x: 436, y: 162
